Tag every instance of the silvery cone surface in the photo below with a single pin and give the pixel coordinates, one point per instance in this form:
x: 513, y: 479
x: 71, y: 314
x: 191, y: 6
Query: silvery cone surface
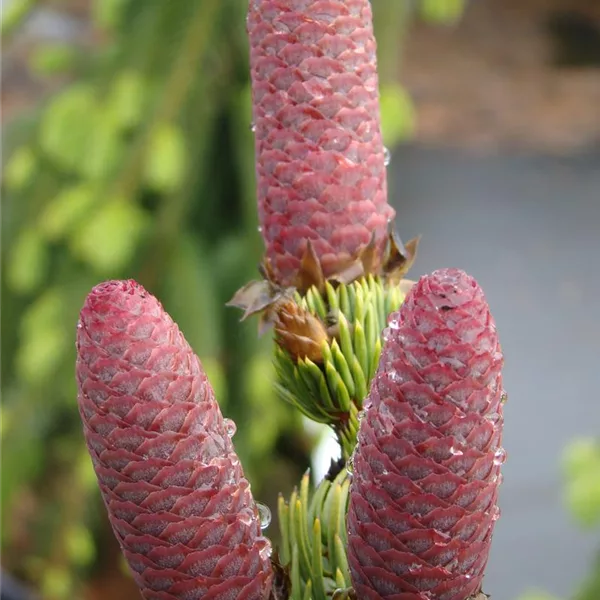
x: 426, y: 469
x: 320, y: 159
x: 175, y: 491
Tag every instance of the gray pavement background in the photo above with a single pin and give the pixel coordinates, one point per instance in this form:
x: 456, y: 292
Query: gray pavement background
x: 528, y: 228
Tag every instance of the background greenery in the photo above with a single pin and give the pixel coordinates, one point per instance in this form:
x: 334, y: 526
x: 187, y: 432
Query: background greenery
x: 142, y: 166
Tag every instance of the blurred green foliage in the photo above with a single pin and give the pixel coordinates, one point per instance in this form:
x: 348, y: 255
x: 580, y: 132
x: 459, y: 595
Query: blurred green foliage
x: 581, y: 468
x: 141, y: 167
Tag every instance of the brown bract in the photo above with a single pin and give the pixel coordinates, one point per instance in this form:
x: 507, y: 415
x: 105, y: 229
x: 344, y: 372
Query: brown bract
x: 266, y: 297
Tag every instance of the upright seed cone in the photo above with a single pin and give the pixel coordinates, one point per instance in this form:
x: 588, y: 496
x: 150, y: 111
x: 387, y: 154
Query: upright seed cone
x: 427, y: 465
x: 320, y: 159
x: 176, y: 495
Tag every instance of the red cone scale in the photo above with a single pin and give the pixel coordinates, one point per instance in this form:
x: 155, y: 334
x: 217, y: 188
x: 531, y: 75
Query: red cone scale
x: 174, y: 488
x: 319, y: 152
x: 427, y: 464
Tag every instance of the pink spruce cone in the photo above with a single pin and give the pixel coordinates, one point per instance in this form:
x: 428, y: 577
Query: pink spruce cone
x: 320, y: 159
x: 174, y: 488
x: 427, y: 464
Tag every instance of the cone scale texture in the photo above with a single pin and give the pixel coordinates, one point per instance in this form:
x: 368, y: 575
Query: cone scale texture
x: 426, y: 469
x: 176, y: 495
x: 320, y: 159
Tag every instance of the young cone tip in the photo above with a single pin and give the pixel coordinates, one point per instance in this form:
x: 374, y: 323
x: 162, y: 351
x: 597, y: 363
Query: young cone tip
x: 426, y: 468
x: 320, y: 159
x: 175, y: 491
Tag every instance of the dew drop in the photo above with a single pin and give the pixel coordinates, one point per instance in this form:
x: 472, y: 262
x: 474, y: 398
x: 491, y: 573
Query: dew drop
x: 467, y: 576
x: 394, y: 376
x: 265, y: 550
x: 259, y: 229
x: 350, y: 467
x: 387, y: 156
x: 264, y: 512
x: 230, y: 427
x: 455, y: 451
x: 394, y: 323
x: 253, y: 127
x: 500, y: 456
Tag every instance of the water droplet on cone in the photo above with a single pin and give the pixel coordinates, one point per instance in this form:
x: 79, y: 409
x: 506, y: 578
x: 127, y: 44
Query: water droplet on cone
x: 266, y: 551
x: 387, y: 156
x: 500, y: 456
x: 230, y: 427
x: 264, y: 513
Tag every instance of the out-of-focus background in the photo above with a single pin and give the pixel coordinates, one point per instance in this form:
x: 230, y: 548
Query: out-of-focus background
x: 128, y: 152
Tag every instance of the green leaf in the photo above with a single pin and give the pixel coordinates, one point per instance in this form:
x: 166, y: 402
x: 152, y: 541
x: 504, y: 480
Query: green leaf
x: 263, y: 405
x: 166, y: 158
x: 108, y: 14
x: 44, y: 339
x: 127, y: 99
x: 308, y: 591
x: 53, y: 59
x: 79, y: 545
x: 57, y: 582
x: 341, y: 366
x: 295, y: 574
x: 66, y: 211
x: 590, y: 588
x: 13, y: 13
x: 194, y: 310
x: 583, y: 498
x: 39, y: 356
x: 20, y: 168
x: 67, y: 126
x: 442, y: 11
x: 317, y: 562
x: 216, y: 375
x: 108, y: 240
x: 581, y: 457
x: 283, y: 513
x: 28, y: 262
x: 397, y: 114
x: 25, y: 461
x: 581, y: 463
x: 311, y: 527
x: 106, y: 148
